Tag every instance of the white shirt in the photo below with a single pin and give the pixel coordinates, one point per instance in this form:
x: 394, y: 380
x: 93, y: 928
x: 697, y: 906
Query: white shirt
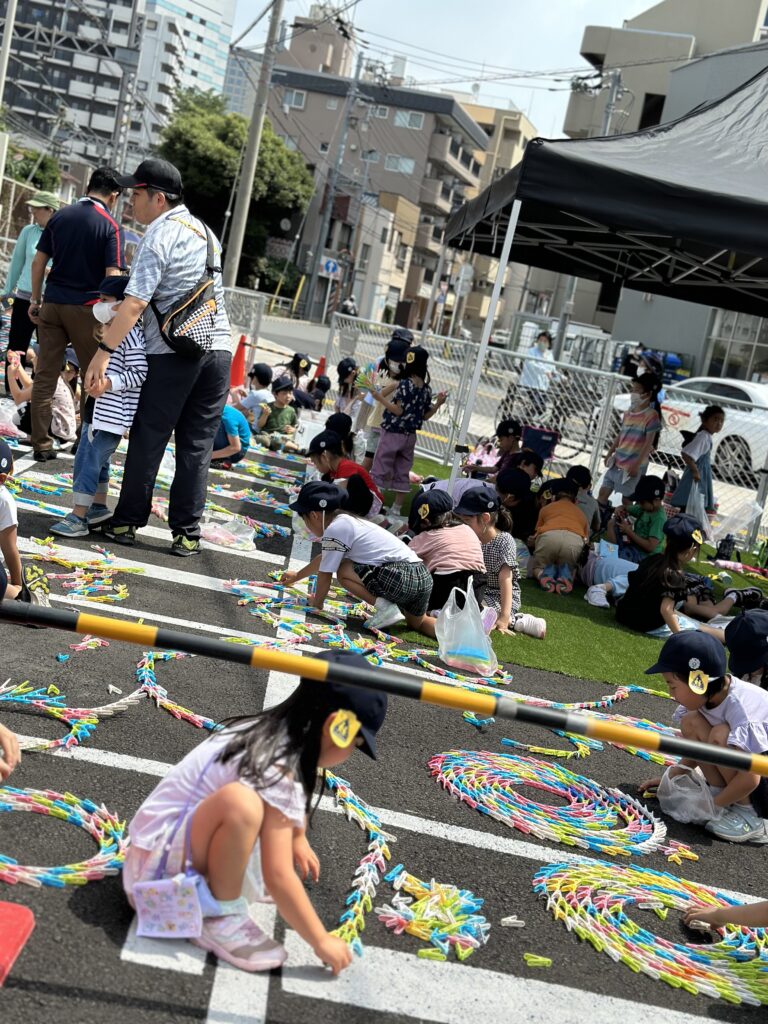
x: 535, y: 373
x: 744, y: 711
x: 198, y: 776
x: 261, y: 396
x: 361, y: 542
x: 700, y: 444
x: 9, y: 515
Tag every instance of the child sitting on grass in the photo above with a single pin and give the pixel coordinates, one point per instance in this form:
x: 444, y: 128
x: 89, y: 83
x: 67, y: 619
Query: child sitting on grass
x: 245, y: 792
x: 450, y: 550
x: 561, y: 533
x: 715, y: 707
x: 514, y: 489
x: 16, y: 584
x: 480, y: 509
x: 659, y: 589
x: 107, y: 416
x: 645, y: 536
x: 586, y: 501
x: 326, y: 453
x: 370, y: 563
x: 277, y: 421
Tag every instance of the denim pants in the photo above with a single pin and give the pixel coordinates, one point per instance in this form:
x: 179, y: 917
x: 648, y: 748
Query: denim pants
x: 94, y: 451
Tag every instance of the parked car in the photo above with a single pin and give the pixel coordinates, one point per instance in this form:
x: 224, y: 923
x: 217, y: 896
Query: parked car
x: 739, y: 452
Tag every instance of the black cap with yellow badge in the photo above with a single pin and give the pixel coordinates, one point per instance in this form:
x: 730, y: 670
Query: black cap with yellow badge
x: 698, y: 658
x: 358, y: 712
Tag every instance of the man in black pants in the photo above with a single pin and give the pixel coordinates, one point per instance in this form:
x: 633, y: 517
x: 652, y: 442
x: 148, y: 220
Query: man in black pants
x: 180, y: 395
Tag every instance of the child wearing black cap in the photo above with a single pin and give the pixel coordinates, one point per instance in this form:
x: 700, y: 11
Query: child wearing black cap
x: 277, y: 422
x: 585, y: 499
x: 108, y: 415
x: 327, y: 454
x: 638, y: 529
x: 348, y: 397
x: 660, y: 589
x: 258, y: 393
x: 746, y: 637
x: 370, y: 563
x: 479, y: 508
x: 514, y: 489
x: 561, y: 533
x: 371, y: 413
x: 405, y: 413
x: 16, y: 583
x: 248, y: 790
x: 715, y: 707
x: 450, y: 550
x: 297, y: 370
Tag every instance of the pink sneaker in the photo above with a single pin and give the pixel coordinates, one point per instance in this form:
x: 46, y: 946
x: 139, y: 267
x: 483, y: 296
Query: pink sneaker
x: 238, y: 940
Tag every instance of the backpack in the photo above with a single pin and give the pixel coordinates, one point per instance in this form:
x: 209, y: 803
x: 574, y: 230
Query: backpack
x: 187, y: 326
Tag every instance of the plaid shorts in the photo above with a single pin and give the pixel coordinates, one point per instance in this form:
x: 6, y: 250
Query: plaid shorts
x: 406, y: 584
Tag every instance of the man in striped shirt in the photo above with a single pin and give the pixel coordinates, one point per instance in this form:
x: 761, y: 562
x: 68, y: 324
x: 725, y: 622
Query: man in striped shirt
x: 108, y: 414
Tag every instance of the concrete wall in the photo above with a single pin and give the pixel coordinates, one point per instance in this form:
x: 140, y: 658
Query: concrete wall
x: 703, y: 81
x: 715, y: 23
x: 666, y: 324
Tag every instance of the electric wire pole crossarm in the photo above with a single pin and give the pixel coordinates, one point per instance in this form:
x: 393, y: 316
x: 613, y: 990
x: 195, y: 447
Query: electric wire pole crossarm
x: 384, y: 680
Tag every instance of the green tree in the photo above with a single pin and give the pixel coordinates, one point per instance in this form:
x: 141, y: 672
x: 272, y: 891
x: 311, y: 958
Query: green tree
x: 206, y: 142
x: 21, y: 162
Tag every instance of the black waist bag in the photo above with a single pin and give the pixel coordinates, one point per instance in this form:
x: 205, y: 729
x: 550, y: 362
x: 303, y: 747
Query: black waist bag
x: 188, y: 325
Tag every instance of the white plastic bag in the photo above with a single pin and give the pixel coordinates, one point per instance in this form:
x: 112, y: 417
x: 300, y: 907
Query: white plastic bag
x: 230, y: 532
x: 695, y: 507
x: 461, y: 639
x: 686, y: 796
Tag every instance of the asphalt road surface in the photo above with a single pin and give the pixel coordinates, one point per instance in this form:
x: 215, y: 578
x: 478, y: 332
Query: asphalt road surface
x: 84, y: 964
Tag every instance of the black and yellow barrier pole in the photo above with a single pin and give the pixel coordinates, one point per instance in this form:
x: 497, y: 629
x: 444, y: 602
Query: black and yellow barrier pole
x: 386, y: 680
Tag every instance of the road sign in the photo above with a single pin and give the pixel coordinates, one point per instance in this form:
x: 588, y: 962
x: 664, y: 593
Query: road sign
x: 331, y: 267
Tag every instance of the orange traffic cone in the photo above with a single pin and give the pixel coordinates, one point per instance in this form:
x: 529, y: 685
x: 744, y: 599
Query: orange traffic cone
x: 320, y: 368
x: 237, y: 370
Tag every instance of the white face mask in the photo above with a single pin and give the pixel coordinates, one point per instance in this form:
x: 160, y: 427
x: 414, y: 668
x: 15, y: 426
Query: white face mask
x: 394, y: 366
x: 636, y: 401
x: 105, y: 311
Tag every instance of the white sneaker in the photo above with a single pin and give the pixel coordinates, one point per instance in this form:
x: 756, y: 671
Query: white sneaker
x: 238, y: 940
x: 739, y: 824
x: 386, y: 614
x: 597, y: 597
x: 530, y: 625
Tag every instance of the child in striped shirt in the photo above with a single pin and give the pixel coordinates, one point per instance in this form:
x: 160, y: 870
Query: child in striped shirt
x: 107, y: 416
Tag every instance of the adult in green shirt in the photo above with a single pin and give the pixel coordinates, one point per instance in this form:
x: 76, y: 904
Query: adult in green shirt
x: 639, y: 529
x: 277, y: 421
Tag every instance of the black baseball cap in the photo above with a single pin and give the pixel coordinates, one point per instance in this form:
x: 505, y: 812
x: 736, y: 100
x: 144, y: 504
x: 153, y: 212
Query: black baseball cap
x: 509, y: 428
x: 317, y: 496
x: 684, y: 528
x: 746, y: 638
x: 397, y: 349
x: 402, y: 334
x: 368, y: 706
x: 339, y: 423
x: 563, y: 485
x: 153, y: 173
x: 6, y: 457
x: 262, y: 372
x: 416, y: 359
x: 114, y: 286
x: 476, y: 500
x: 323, y: 441
x: 689, y: 651
x: 427, y: 504
x: 580, y: 475
x: 514, y: 482
x: 284, y: 383
x: 649, y: 488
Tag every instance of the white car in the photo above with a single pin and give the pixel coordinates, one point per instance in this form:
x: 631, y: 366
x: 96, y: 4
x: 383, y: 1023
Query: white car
x: 739, y: 451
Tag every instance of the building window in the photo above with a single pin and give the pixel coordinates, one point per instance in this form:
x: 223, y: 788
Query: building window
x: 409, y: 119
x: 294, y: 99
x: 653, y: 107
x: 380, y: 112
x: 399, y: 164
x: 323, y: 147
x: 365, y: 255
x: 151, y: 25
x: 142, y: 86
x: 332, y: 103
x: 384, y: 235
x: 402, y: 256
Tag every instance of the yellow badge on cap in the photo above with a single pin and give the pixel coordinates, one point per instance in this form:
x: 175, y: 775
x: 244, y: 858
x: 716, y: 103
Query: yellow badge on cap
x: 344, y: 727
x: 410, y: 357
x: 424, y: 510
x: 698, y: 681
x: 697, y: 536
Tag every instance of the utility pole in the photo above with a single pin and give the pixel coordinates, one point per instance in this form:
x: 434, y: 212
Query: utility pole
x: 333, y: 177
x: 566, y: 309
x: 5, y: 53
x: 248, y: 170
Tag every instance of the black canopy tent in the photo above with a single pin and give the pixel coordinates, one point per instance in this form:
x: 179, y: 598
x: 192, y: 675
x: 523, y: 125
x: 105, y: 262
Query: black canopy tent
x: 679, y: 210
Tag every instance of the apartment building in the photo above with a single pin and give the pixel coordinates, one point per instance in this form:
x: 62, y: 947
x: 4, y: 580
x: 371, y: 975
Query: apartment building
x: 71, y: 74
x: 647, y: 50
x: 160, y: 73
x: 206, y: 28
x: 401, y: 141
x: 241, y: 79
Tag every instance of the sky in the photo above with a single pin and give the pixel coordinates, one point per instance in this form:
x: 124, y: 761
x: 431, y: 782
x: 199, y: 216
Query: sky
x: 446, y: 40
